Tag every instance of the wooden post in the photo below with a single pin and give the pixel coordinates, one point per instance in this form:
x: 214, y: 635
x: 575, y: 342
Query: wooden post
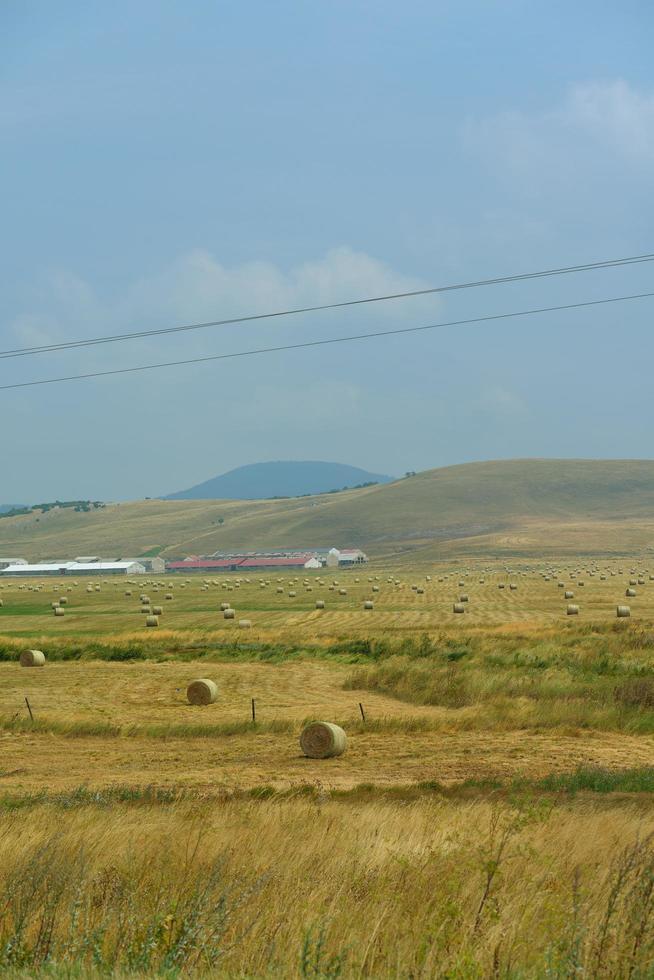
x: 29, y: 709
x: 254, y: 712
x: 363, y: 714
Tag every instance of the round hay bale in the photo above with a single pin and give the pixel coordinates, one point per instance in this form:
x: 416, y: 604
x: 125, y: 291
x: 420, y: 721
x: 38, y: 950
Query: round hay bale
x: 513, y: 586
x: 157, y: 610
x: 152, y: 621
x: 32, y: 658
x: 458, y: 607
x: 202, y: 691
x: 292, y: 594
x: 342, y: 591
x: 572, y: 610
x: 320, y: 604
x: 145, y: 610
x: 58, y: 611
x: 464, y: 597
x: 623, y: 611
x: 245, y: 624
x: 368, y: 604
x: 128, y: 593
x: 63, y: 601
x: 228, y: 614
x: 630, y: 593
x: 279, y: 590
x: 323, y: 740
x: 168, y: 595
x: 501, y: 585
x: 420, y: 590
x: 375, y: 588
x: 224, y: 606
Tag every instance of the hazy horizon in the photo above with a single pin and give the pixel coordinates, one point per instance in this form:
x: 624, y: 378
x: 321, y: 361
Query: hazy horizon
x: 170, y: 164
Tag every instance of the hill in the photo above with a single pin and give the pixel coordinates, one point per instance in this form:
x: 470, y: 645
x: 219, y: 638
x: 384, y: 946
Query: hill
x: 262, y: 481
x: 515, y: 507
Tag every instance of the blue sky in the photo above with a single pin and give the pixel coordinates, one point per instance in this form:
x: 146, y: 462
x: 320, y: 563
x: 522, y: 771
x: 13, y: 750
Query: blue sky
x: 166, y: 161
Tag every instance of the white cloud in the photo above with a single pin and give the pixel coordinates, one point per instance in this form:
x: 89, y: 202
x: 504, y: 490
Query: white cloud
x: 596, y: 123
x: 197, y: 287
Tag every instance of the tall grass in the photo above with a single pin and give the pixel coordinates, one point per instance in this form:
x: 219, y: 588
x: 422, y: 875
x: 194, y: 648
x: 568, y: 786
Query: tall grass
x: 315, y: 888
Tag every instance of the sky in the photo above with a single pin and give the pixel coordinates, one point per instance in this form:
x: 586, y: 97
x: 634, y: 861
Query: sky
x: 165, y: 162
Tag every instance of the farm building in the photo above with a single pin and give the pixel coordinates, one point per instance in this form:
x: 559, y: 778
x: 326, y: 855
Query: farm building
x: 6, y: 562
x: 345, y: 557
x: 42, y: 569
x: 245, y: 563
x: 106, y: 568
x: 45, y: 569
x: 156, y: 566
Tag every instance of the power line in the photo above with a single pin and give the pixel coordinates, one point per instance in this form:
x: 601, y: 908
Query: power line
x: 520, y: 277
x: 332, y: 340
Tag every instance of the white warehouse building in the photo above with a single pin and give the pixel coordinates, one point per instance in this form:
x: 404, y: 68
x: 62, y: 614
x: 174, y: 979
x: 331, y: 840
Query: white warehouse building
x: 74, y: 568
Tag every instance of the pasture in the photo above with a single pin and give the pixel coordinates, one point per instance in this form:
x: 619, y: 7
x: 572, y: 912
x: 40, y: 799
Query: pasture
x: 491, y: 815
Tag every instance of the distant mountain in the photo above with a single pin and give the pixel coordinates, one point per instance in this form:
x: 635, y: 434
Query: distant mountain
x: 4, y: 508
x: 261, y: 481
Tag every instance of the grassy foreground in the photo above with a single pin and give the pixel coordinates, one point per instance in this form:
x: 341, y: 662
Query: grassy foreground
x: 314, y: 887
x: 492, y: 816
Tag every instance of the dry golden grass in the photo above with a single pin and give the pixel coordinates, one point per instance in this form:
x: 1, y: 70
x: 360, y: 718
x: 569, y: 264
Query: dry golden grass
x: 396, y: 880
x: 318, y: 888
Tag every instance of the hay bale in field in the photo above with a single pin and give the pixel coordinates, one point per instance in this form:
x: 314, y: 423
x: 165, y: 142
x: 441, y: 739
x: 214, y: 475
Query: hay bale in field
x: 244, y: 624
x: 623, y: 611
x: 513, y: 586
x: 58, y: 611
x: 292, y: 594
x: 202, y: 691
x: 320, y: 604
x: 128, y: 593
x: 323, y: 740
x: 375, y: 588
x: 229, y: 614
x: 168, y: 595
x: 632, y: 581
x: 157, y: 610
x: 145, y: 611
x: 420, y: 590
x: 224, y: 606
x: 279, y: 590
x: 501, y: 585
x: 463, y: 597
x: 630, y: 593
x: 568, y: 594
x: 152, y: 621
x: 89, y: 588
x: 342, y: 591
x: 32, y: 658
x: 458, y: 607
x: 63, y: 600
x: 368, y: 604
x: 572, y: 610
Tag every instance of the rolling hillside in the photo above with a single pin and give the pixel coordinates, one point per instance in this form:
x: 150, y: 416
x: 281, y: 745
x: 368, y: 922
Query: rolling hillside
x: 507, y: 507
x: 261, y: 481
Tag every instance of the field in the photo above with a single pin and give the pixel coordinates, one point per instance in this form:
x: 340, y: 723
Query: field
x: 492, y: 815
